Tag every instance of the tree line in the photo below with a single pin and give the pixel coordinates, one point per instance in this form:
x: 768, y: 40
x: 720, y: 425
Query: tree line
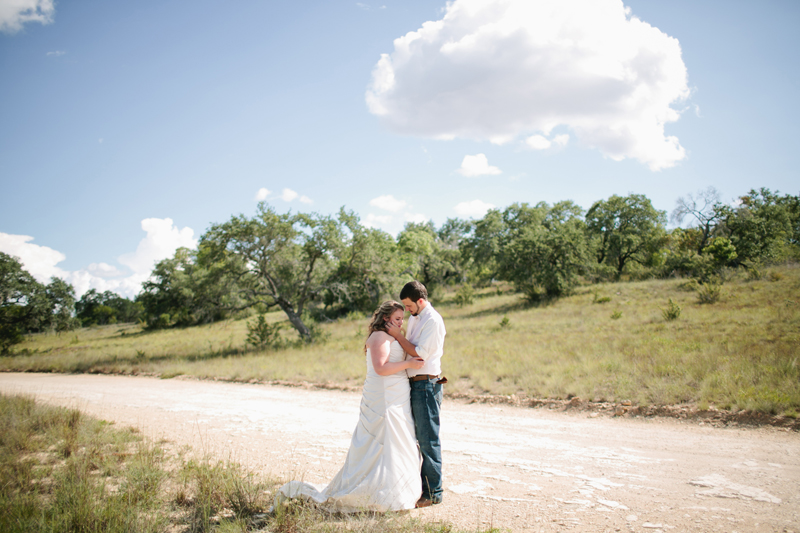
x: 319, y: 267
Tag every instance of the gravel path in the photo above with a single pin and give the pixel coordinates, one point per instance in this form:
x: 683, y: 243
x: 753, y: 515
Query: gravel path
x: 507, y: 467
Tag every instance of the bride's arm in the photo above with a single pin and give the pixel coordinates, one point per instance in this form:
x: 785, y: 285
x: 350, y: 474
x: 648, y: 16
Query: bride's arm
x: 378, y: 345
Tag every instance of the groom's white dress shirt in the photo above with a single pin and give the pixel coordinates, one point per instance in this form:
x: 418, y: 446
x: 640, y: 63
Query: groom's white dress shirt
x: 426, y: 332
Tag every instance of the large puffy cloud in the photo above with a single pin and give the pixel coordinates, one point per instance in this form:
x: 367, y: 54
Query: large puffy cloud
x: 15, y: 13
x: 161, y: 241
x: 501, y: 69
x: 40, y: 261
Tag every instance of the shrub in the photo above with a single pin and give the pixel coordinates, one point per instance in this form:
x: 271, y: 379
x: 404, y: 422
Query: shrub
x: 672, y: 311
x: 600, y: 299
x: 464, y: 295
x: 261, y: 333
x: 505, y: 322
x: 709, y: 293
x: 616, y: 315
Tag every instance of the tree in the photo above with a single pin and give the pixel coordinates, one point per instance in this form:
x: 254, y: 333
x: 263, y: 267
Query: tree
x: 704, y: 209
x: 282, y: 260
x: 367, y: 270
x: 542, y: 248
x: 192, y: 287
x: 625, y: 229
x: 426, y: 257
x: 762, y: 226
x: 29, y: 306
x: 480, y: 247
x: 95, y: 308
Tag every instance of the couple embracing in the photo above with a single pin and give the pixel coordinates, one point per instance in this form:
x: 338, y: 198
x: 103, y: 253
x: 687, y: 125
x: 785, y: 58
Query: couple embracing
x: 395, y: 458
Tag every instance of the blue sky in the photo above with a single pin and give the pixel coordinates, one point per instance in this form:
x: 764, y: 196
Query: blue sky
x: 117, y: 116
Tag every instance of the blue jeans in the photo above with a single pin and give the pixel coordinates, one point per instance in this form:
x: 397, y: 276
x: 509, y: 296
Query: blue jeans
x: 426, y: 401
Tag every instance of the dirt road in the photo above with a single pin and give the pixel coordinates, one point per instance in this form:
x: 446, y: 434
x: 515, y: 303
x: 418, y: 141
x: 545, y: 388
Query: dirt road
x: 513, y: 468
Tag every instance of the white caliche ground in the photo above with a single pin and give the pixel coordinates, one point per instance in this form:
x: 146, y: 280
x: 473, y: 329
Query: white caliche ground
x: 507, y: 467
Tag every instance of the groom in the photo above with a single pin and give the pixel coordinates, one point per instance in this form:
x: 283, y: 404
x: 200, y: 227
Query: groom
x: 426, y: 340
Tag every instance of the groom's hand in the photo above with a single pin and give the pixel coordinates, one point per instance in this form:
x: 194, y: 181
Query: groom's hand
x: 394, y: 331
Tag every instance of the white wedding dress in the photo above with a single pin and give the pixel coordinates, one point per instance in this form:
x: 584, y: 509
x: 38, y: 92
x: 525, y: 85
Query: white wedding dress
x: 382, y: 469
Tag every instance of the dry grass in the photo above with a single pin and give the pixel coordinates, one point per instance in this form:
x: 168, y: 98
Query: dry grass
x: 63, y: 471
x: 740, y: 352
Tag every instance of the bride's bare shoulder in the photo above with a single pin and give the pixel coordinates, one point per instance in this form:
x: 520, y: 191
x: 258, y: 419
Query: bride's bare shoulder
x: 377, y: 338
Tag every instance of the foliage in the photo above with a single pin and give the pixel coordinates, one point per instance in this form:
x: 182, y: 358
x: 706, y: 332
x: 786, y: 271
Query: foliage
x: 29, y: 306
x: 709, y: 293
x: 672, y: 311
x: 704, y: 208
x: 505, y: 322
x: 426, y: 256
x: 192, y: 287
x: 367, y: 271
x: 763, y: 227
x: 95, y: 308
x: 284, y: 260
x: 574, y: 347
x: 624, y: 229
x: 261, y: 333
x: 465, y: 295
x: 542, y: 248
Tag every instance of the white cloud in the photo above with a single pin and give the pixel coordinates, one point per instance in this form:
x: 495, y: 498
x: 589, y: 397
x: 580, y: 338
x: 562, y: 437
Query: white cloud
x: 104, y: 270
x: 15, y: 13
x: 561, y: 140
x: 418, y: 218
x: 538, y: 142
x: 377, y: 221
x: 40, y: 261
x: 500, y: 69
x: 475, y: 208
x: 56, y: 53
x: 477, y: 165
x: 161, y: 241
x: 287, y: 195
x: 306, y: 200
x: 262, y: 194
x: 388, y: 202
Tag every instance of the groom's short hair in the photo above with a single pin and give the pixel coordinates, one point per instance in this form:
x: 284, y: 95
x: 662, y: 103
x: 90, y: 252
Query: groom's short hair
x: 414, y: 290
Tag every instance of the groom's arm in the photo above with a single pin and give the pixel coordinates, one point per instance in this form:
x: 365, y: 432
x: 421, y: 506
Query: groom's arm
x: 395, y: 332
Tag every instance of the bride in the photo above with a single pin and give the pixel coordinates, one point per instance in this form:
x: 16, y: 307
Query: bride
x: 382, y: 469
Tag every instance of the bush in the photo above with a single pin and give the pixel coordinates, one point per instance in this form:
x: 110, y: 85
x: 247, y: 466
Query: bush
x: 261, y: 333
x: 616, y: 315
x: 709, y: 293
x: 464, y: 295
x: 600, y: 299
x: 672, y: 312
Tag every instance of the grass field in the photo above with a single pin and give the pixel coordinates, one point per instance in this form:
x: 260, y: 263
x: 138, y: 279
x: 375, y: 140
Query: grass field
x: 607, y: 342
x: 64, y: 471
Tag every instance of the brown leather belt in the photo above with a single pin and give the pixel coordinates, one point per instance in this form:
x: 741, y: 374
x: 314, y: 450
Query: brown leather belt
x: 421, y: 377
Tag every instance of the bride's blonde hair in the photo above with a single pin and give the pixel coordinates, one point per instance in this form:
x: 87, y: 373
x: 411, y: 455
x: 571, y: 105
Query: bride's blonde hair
x: 378, y: 320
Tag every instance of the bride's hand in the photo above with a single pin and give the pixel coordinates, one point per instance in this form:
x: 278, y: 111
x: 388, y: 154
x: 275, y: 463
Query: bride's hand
x: 416, y: 363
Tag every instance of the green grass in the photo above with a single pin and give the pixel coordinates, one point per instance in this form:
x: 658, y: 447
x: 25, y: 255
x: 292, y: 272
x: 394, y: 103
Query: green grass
x: 740, y: 352
x: 62, y: 471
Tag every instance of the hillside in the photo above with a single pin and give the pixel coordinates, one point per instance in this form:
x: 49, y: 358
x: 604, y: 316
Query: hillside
x: 605, y: 343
